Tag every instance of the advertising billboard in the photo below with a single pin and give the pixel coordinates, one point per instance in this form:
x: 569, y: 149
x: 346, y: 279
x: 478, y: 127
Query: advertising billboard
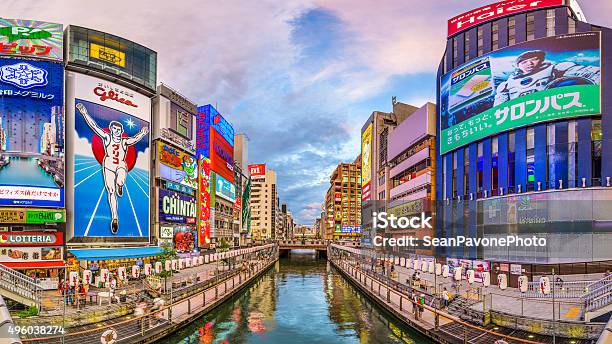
x: 494, y: 11
x: 541, y: 80
x: 173, y: 119
x: 257, y: 171
x: 177, y: 166
x: 177, y: 207
x: 31, y: 239
x: 111, y: 159
x: 225, y: 189
x: 202, y: 134
x: 184, y: 239
x: 31, y: 133
x: 30, y: 254
x: 366, y: 162
x: 221, y: 156
x: 218, y: 122
x: 204, y: 201
x: 112, y: 54
x: 31, y: 39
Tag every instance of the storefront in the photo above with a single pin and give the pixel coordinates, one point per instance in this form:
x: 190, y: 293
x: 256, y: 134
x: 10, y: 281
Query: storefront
x: 177, y: 221
x: 36, y: 254
x: 110, y: 259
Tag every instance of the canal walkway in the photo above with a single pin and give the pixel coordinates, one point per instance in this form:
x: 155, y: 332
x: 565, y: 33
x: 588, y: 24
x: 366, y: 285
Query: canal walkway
x: 531, y: 316
x: 133, y: 328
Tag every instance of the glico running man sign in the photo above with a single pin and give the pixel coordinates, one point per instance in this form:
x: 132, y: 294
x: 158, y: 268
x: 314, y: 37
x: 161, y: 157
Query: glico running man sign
x: 111, y: 159
x: 536, y: 81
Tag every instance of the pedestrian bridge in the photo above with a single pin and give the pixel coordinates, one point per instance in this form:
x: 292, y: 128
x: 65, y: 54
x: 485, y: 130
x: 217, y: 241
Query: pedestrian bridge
x: 318, y: 245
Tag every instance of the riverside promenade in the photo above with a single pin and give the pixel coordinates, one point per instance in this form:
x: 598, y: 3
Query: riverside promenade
x: 395, y: 294
x: 182, y: 306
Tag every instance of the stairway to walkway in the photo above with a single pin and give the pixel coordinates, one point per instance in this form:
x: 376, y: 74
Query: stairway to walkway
x: 19, y: 287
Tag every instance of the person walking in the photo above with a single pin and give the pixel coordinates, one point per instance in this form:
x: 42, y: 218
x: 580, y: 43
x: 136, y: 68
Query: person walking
x: 445, y: 297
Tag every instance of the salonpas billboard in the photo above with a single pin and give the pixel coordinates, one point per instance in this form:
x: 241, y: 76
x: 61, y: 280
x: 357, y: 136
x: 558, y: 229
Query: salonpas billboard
x: 536, y: 81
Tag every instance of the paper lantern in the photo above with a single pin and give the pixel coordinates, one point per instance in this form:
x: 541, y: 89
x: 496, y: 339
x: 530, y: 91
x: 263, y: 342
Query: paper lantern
x: 396, y: 261
x: 403, y: 261
x: 470, y: 276
x: 458, y: 273
x: 158, y: 267
x: 87, y: 277
x: 544, y: 285
x: 74, y: 278
x: 502, y: 281
x: 486, y: 278
x: 168, y: 266
x: 417, y: 264
x: 523, y: 285
x: 113, y: 283
x: 121, y: 273
x: 135, y: 271
x: 424, y: 265
x: 200, y: 260
x: 174, y: 264
x: 438, y: 269
x: 206, y: 258
x: 187, y: 262
x: 432, y: 267
x: 194, y: 261
x: 103, y: 275
x: 148, y: 269
x: 445, y: 271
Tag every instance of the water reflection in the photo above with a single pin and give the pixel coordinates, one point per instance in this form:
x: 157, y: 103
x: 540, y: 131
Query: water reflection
x: 301, y: 300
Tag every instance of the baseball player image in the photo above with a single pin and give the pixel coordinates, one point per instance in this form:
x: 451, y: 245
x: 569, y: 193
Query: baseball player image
x: 534, y: 73
x: 115, y: 168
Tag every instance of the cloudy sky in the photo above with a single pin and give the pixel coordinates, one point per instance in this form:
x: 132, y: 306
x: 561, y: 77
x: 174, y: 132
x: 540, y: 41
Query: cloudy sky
x: 298, y: 77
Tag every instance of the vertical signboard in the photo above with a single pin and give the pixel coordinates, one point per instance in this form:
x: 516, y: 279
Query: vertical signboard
x: 366, y: 162
x: 31, y: 39
x: 204, y: 201
x: 221, y: 156
x: 31, y: 133
x: 257, y: 171
x: 111, y: 159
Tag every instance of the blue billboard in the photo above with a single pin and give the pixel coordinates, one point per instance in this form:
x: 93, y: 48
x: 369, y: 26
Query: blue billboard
x: 31, y: 133
x: 225, y: 189
x: 217, y: 121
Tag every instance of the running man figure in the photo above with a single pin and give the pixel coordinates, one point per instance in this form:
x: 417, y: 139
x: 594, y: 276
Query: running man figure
x: 114, y: 165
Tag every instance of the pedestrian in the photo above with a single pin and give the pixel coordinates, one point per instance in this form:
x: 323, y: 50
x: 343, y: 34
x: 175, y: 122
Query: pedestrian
x: 421, y: 303
x: 415, y: 305
x: 82, y: 294
x: 70, y: 293
x: 445, y: 297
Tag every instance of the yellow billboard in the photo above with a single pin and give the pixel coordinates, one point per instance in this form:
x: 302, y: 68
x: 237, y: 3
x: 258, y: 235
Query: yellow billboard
x: 107, y: 54
x: 366, y: 162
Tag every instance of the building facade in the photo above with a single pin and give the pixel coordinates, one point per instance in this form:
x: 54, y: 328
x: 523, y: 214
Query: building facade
x: 412, y: 162
x: 263, y: 205
x: 343, y: 202
x: 525, y: 137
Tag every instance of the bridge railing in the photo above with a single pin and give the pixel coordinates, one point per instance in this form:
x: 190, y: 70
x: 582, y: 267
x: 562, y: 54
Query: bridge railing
x: 20, y: 284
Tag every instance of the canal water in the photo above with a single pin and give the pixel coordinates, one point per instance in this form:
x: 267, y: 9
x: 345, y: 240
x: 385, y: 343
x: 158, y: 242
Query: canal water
x: 301, y: 300
x: 25, y: 171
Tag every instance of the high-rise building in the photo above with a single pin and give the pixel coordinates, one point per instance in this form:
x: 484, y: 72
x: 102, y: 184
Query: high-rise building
x: 241, y: 178
x: 524, y: 146
x: 375, y: 169
x: 343, y: 202
x: 263, y: 206
x: 411, y: 154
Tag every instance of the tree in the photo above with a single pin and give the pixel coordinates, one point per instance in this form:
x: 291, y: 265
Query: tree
x: 167, y: 253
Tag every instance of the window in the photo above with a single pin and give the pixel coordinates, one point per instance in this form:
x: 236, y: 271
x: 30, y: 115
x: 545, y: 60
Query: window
x: 455, y: 52
x: 454, y: 181
x: 480, y: 41
x: 511, y: 161
x: 572, y: 150
x: 494, y: 166
x: 530, y: 159
x: 530, y: 27
x: 571, y: 25
x: 466, y: 47
x: 466, y: 171
x: 495, y: 36
x: 479, y: 173
x: 381, y: 195
x: 550, y: 23
x: 511, y: 31
x: 381, y: 180
x: 596, y: 151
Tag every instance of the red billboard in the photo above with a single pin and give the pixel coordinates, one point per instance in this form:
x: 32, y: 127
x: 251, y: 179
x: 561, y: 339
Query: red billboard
x: 499, y: 9
x: 221, y: 155
x: 257, y: 171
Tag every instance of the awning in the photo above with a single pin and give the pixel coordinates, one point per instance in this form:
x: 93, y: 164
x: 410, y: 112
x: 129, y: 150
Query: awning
x: 115, y: 253
x: 34, y: 264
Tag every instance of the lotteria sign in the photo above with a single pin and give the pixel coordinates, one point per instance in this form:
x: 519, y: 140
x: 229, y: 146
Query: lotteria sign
x: 496, y: 10
x: 31, y: 239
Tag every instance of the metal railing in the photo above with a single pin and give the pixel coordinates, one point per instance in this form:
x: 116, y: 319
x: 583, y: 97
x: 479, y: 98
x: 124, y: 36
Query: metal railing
x: 20, y: 284
x: 599, y: 297
x: 156, y: 321
x: 563, y: 290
